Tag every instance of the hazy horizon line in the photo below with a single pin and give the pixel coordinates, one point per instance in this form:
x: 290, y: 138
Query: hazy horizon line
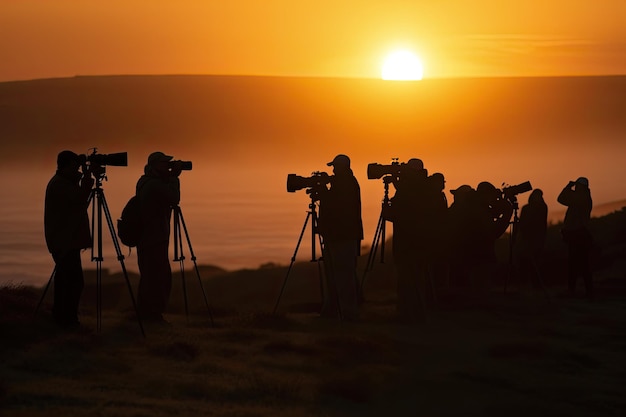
x: 485, y: 77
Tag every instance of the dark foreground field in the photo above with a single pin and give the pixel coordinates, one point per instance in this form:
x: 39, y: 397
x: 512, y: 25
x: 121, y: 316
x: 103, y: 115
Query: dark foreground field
x: 517, y: 353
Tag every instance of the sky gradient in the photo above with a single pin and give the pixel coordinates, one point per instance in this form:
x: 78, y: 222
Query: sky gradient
x: 350, y: 38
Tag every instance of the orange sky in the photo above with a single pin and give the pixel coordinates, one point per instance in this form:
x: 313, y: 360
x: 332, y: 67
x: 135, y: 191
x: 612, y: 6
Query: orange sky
x: 347, y: 38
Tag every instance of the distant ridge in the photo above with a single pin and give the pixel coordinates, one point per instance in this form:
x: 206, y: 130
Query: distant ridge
x: 599, y: 210
x: 286, y: 112
x: 475, y: 129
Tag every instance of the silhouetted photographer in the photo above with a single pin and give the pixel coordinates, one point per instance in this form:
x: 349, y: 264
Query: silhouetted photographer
x: 493, y: 216
x: 341, y: 227
x: 409, y: 213
x: 158, y: 191
x: 66, y: 226
x: 461, y: 229
x: 437, y: 231
x: 577, y: 197
x: 531, y: 236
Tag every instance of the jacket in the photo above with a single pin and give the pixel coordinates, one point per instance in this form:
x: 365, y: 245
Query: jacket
x: 66, y: 222
x: 157, y: 196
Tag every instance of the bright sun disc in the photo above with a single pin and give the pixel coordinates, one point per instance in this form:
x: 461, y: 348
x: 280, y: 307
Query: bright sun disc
x: 402, y: 65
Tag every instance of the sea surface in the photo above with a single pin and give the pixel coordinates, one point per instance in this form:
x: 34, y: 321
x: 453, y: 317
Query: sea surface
x: 233, y: 228
x: 242, y: 223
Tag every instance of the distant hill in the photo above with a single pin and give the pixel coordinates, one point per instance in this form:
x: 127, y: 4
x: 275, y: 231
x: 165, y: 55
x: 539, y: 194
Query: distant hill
x: 546, y: 130
x: 451, y: 116
x: 600, y: 210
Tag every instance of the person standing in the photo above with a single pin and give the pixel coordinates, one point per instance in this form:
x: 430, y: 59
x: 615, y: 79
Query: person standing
x: 66, y: 228
x: 493, y: 215
x: 461, y: 229
x: 341, y: 227
x: 410, y: 246
x: 577, y: 197
x: 437, y: 227
x: 531, y: 236
x: 158, y: 191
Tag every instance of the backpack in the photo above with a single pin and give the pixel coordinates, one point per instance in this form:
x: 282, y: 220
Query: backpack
x: 129, y: 225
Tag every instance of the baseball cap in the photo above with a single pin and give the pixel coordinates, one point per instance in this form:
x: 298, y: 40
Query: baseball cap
x: 462, y: 190
x: 158, y: 157
x: 340, y: 160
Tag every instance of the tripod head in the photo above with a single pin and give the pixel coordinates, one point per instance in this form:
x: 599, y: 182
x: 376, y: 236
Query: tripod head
x: 387, y: 179
x: 314, y: 198
x: 98, y: 173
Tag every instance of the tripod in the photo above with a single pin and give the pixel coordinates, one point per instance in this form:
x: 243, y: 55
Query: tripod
x: 179, y: 257
x: 311, y: 215
x: 98, y: 206
x: 379, y: 236
x: 98, y: 203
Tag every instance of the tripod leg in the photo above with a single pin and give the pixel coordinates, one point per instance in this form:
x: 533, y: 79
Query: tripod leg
x: 97, y: 235
x: 372, y: 254
x: 293, y: 260
x: 184, y: 283
x: 120, y: 258
x: 180, y: 257
x: 331, y: 278
x: 195, y: 264
x: 509, y: 274
x: 99, y: 295
x: 45, y: 290
x: 381, y: 238
x: 375, y: 243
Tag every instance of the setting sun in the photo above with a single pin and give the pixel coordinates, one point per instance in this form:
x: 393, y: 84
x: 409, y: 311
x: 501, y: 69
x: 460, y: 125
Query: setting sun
x: 402, y: 65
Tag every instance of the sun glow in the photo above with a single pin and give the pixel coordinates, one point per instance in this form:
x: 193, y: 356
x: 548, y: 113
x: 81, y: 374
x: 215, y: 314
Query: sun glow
x: 402, y: 65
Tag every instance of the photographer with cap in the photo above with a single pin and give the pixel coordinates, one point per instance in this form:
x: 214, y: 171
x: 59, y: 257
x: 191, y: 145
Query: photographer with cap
x: 493, y: 216
x: 577, y: 197
x: 532, y: 230
x: 341, y: 226
x: 410, y: 218
x: 66, y: 228
x: 460, y: 234
x: 158, y: 191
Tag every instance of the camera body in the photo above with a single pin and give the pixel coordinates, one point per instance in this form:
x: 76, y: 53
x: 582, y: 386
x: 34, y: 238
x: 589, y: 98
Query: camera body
x: 313, y: 183
x: 510, y: 193
x: 95, y: 163
x: 184, y: 165
x: 94, y: 159
x: 376, y: 171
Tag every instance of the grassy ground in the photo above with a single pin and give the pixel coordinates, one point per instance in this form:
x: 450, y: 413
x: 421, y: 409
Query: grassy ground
x: 517, y: 353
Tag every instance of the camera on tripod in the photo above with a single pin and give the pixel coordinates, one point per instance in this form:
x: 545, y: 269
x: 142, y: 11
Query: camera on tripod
x: 376, y: 171
x: 96, y: 163
x: 510, y: 192
x: 95, y: 159
x: 314, y: 184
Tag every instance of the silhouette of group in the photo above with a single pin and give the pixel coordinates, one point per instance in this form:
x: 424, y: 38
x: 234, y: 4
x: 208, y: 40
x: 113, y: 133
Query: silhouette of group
x: 67, y: 231
x: 434, y: 244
